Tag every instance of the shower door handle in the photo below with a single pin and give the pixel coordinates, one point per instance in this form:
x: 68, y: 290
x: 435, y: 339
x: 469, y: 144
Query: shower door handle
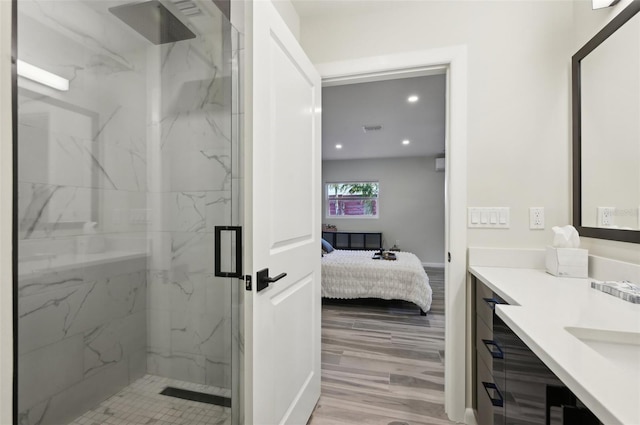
x: 237, y: 235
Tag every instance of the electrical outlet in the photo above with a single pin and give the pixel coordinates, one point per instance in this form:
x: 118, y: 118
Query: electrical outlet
x: 605, y: 216
x: 536, y: 218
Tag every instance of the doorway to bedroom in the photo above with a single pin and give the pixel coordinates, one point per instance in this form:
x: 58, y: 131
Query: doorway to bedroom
x: 381, y: 358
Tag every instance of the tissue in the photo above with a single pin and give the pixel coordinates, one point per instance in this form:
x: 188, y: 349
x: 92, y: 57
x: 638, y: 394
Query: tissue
x: 565, y: 237
x: 564, y: 258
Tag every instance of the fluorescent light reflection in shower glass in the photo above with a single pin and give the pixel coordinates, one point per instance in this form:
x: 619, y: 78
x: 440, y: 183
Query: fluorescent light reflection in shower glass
x: 41, y: 76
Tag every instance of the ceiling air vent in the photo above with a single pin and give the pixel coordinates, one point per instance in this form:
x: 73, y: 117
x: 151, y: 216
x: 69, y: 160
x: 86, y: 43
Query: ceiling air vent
x: 368, y: 128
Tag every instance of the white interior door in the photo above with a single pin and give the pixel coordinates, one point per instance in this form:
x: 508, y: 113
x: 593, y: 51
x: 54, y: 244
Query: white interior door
x: 285, y: 204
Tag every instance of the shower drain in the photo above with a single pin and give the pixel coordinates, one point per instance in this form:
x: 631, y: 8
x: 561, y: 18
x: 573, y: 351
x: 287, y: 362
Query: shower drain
x: 196, y: 396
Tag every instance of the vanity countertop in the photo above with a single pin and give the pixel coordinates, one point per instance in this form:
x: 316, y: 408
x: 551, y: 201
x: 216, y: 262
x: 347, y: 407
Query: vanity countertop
x: 543, y: 306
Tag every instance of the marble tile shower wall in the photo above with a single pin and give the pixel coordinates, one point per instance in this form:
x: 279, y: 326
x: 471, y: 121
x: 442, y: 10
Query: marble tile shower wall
x: 81, y: 338
x: 140, y: 144
x: 82, y: 158
x: 189, y: 309
x: 82, y: 329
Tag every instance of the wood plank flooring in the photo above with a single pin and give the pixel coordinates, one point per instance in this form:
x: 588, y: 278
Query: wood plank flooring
x: 383, y: 363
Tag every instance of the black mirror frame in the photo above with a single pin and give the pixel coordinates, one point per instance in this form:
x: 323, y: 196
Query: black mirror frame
x: 632, y: 236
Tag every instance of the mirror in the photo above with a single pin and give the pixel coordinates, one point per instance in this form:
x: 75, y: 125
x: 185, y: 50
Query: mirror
x: 606, y: 131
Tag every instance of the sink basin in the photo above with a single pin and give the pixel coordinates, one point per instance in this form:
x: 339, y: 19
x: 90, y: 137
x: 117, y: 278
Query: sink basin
x: 620, y: 347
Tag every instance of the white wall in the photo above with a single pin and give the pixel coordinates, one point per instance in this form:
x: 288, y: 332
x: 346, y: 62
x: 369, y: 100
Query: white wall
x: 289, y: 15
x: 411, y: 202
x: 587, y: 23
x: 6, y: 312
x: 518, y: 113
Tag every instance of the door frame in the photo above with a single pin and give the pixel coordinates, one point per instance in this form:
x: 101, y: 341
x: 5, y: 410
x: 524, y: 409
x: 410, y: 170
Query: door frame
x: 453, y: 61
x: 7, y: 320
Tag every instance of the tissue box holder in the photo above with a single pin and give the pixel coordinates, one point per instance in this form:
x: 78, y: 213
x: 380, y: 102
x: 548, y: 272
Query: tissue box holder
x: 567, y: 262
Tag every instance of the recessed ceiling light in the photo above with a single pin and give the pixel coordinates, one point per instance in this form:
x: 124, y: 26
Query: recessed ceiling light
x: 412, y: 99
x: 338, y: 146
x: 405, y: 142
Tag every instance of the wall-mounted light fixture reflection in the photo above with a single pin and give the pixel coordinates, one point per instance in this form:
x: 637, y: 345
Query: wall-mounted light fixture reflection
x: 41, y: 76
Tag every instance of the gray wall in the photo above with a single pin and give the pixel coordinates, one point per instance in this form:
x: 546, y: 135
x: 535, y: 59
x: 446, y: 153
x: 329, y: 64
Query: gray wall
x: 411, y: 202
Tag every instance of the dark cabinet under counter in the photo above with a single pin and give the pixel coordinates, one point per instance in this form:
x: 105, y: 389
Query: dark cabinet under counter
x: 512, y: 385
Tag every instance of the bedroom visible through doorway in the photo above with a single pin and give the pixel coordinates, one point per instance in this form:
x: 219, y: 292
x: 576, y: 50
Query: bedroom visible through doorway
x: 392, y: 132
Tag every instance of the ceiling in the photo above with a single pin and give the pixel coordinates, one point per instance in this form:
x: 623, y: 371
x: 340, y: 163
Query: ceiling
x: 347, y: 108
x: 314, y: 8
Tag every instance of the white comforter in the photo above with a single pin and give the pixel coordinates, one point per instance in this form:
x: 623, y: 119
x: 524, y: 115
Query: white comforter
x: 354, y: 274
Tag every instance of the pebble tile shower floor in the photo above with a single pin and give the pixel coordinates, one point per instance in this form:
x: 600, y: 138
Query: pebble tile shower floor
x: 142, y: 403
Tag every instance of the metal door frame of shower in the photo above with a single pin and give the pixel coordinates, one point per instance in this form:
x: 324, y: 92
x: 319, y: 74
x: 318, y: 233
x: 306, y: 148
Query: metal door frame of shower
x: 14, y: 212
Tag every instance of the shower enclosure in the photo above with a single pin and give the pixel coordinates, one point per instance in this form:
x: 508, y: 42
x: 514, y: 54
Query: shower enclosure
x: 127, y: 160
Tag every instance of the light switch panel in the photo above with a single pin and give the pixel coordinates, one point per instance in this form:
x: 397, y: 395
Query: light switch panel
x: 488, y: 217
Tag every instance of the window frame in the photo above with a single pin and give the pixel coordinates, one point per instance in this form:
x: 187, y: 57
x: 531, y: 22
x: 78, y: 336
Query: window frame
x: 327, y: 212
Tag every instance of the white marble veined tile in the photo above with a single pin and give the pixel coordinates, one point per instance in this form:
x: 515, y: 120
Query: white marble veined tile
x: 194, y: 94
x: 114, y: 342
x: 160, y: 244
x: 195, y: 58
x: 57, y: 313
x: 138, y: 362
x: 123, y: 119
x: 190, y: 211
x: 73, y: 401
x: 196, y: 130
x: 46, y: 318
x: 127, y: 293
x: 219, y: 209
x: 159, y: 290
x: 189, y: 294
x: 121, y: 168
x: 44, y: 210
x: 180, y: 211
x: 159, y: 330
x: 108, y: 300
x: 45, y: 372
x: 49, y: 281
x: 60, y: 160
x: 191, y: 253
x: 200, y: 334
x: 97, y: 32
x: 176, y: 365
x: 134, y: 270
x: 203, y: 170
x: 120, y: 210
x: 218, y: 372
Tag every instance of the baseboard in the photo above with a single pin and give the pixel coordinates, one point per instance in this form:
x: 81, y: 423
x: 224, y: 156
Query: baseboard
x: 470, y: 417
x: 434, y: 265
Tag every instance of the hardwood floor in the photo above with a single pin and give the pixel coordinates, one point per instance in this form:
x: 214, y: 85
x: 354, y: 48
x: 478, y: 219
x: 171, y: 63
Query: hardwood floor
x: 383, y: 363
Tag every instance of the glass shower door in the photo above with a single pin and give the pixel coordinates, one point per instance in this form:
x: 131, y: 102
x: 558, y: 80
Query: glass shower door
x: 127, y: 160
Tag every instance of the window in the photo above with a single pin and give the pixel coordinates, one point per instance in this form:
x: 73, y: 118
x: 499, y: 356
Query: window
x: 352, y: 200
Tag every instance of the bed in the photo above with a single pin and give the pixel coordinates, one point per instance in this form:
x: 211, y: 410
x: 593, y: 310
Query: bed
x: 355, y: 274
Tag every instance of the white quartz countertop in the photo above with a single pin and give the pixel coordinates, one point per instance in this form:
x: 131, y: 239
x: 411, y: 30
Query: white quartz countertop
x: 543, y: 306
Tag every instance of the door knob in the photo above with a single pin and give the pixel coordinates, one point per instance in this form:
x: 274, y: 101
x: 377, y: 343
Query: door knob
x: 264, y: 280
